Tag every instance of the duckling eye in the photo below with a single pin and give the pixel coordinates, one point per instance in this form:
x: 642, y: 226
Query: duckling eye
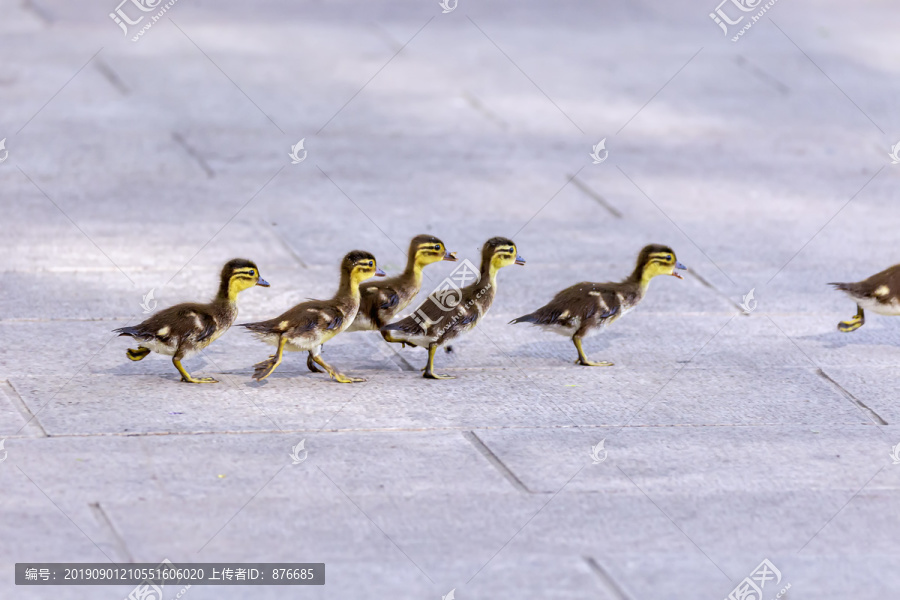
x: 371, y: 264
x: 252, y: 273
x: 437, y: 247
x: 669, y: 257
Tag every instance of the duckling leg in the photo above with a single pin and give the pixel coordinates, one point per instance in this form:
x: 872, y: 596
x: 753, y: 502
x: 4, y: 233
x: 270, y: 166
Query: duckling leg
x: 855, y: 323
x: 263, y: 369
x: 582, y: 359
x: 186, y: 377
x: 429, y: 367
x: 337, y: 376
x: 311, y: 363
x: 137, y: 353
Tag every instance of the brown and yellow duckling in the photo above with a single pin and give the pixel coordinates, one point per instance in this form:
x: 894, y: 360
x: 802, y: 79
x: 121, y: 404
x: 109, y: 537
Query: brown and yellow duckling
x: 305, y: 327
x: 185, y: 329
x: 586, y: 307
x: 382, y: 300
x: 880, y: 293
x: 450, y: 312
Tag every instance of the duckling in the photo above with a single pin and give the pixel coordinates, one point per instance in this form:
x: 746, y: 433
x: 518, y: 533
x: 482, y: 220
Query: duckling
x: 880, y: 293
x: 449, y: 311
x: 184, y: 329
x: 308, y: 325
x: 381, y: 301
x: 587, y: 307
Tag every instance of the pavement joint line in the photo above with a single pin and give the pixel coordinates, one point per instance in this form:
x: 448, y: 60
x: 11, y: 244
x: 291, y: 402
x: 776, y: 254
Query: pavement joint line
x: 78, y: 227
x: 703, y: 281
x: 479, y: 107
x: 111, y: 76
x: 543, y: 506
x: 105, y: 522
x: 192, y: 152
x: 69, y: 380
x: 876, y: 418
x: 659, y: 508
x: 827, y: 223
x: 596, y: 196
x: 525, y: 74
x: 762, y: 75
x: 660, y: 90
x: 826, y: 76
x: 240, y: 89
x: 31, y: 421
x: 613, y: 589
x: 564, y: 186
x: 375, y: 75
x: 59, y: 90
x: 461, y: 428
x: 672, y: 221
x: 65, y: 515
x: 269, y: 226
x: 41, y: 12
x: 366, y: 515
x: 495, y: 461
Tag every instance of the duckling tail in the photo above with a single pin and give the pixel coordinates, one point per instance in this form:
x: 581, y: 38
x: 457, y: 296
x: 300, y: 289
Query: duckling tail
x: 531, y: 318
x: 844, y: 287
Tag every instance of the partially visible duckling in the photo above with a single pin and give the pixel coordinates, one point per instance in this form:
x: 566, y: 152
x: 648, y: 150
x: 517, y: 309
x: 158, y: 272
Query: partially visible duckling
x: 587, y: 307
x: 308, y: 325
x: 880, y: 293
x: 448, y: 313
x: 382, y: 300
x: 184, y: 329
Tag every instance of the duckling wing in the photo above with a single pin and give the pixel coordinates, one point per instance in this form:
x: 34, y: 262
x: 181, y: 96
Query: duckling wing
x: 426, y: 322
x: 179, y: 322
x: 575, y: 305
x: 301, y: 319
x: 378, y: 304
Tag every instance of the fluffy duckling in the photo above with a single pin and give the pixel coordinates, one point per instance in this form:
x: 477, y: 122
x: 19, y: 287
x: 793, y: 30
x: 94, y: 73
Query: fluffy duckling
x: 586, y: 307
x: 184, y: 329
x: 382, y: 300
x: 880, y: 293
x: 451, y: 311
x: 310, y: 324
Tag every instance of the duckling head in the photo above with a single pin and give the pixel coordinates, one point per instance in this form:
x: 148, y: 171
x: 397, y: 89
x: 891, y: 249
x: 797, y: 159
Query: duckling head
x: 358, y: 266
x: 239, y: 274
x: 657, y: 259
x: 427, y: 249
x: 499, y: 252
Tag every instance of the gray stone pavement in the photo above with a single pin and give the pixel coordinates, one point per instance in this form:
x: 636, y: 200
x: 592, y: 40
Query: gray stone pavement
x: 730, y: 438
